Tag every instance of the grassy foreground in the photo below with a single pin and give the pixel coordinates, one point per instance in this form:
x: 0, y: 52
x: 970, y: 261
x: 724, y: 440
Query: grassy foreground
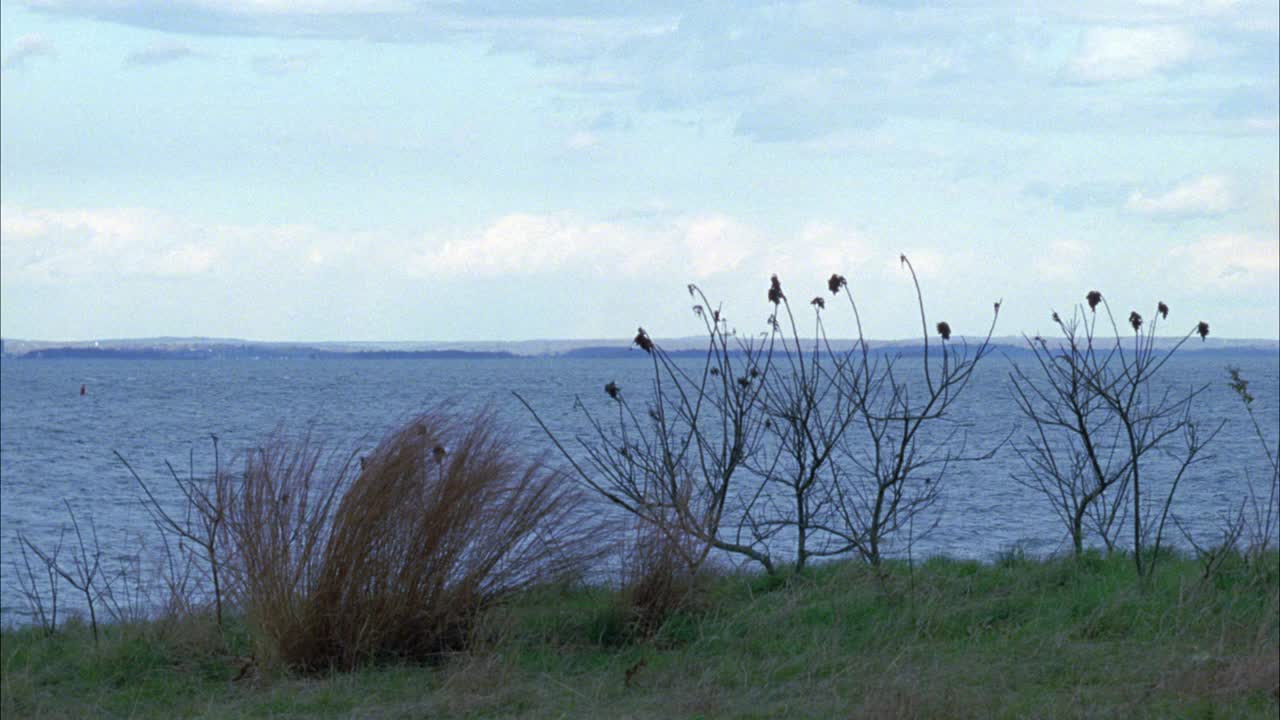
x: 1017, y: 638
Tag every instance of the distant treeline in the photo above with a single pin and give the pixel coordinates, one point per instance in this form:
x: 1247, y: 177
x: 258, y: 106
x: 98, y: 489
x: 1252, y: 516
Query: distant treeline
x: 250, y: 352
x: 613, y: 352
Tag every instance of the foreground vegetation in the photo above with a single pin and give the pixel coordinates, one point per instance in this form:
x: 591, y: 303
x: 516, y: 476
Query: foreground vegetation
x: 440, y: 574
x: 1016, y: 638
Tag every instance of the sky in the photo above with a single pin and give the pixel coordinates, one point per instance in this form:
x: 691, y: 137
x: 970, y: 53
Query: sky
x: 439, y: 170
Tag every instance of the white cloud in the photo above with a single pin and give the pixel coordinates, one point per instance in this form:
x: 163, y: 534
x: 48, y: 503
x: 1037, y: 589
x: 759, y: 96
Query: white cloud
x: 25, y: 48
x: 1208, y: 194
x: 527, y: 244
x: 1228, y: 261
x: 61, y: 244
x: 159, y: 53
x: 928, y: 262
x: 242, y: 7
x: 1119, y: 53
x: 582, y: 140
x: 277, y: 65
x: 52, y: 246
x: 717, y: 243
x: 1062, y: 260
x: 46, y: 245
x: 524, y: 244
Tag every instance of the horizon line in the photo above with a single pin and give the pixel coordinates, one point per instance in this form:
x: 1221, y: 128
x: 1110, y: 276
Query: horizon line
x: 618, y: 339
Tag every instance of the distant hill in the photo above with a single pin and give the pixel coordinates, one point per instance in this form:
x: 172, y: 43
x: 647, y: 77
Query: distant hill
x: 198, y: 348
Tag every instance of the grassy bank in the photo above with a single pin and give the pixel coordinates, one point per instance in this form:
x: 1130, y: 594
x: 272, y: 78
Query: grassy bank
x: 1017, y: 638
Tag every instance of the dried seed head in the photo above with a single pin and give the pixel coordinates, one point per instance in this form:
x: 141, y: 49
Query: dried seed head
x: 1057, y: 319
x: 836, y: 282
x: 1094, y: 297
x: 944, y: 330
x: 744, y: 382
x: 715, y: 371
x: 1135, y: 320
x: 1163, y: 310
x: 642, y: 340
x: 438, y: 453
x: 995, y: 306
x: 775, y: 290
x: 1203, y: 329
x: 697, y: 310
x: 612, y: 389
x: 818, y: 303
x: 755, y: 373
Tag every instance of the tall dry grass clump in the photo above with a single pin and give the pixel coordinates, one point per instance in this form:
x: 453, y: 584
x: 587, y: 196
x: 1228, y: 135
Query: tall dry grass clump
x: 277, y: 524
x: 441, y: 521
x: 662, y: 572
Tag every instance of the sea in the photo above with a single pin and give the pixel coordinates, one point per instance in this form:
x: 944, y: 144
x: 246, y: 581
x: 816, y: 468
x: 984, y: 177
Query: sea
x: 58, y: 448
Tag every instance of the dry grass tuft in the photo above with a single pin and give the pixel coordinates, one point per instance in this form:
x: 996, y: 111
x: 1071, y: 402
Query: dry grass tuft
x: 277, y: 525
x: 440, y: 522
x: 662, y: 572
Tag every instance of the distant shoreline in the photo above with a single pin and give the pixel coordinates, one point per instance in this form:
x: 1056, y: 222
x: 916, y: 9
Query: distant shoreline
x: 568, y: 350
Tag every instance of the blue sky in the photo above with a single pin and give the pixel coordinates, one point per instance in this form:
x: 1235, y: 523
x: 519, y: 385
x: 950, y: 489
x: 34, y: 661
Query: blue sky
x: 404, y: 170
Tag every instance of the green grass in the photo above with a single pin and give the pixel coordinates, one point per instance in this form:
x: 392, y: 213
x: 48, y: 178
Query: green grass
x: 1015, y: 638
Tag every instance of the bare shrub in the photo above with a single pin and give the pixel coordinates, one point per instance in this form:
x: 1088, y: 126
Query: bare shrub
x: 198, y: 530
x: 1098, y: 417
x: 440, y: 523
x: 676, y: 460
x: 777, y: 439
x: 1260, y: 513
x: 83, y: 571
x: 893, y: 469
x: 39, y: 583
x: 1250, y: 528
x: 126, y: 593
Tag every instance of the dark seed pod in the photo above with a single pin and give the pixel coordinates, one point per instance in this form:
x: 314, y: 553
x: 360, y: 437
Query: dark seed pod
x: 836, y: 282
x: 1094, y: 297
x: 612, y: 389
x: 775, y: 290
x: 1163, y: 310
x: 642, y: 340
x: 1203, y: 330
x: 944, y: 330
x: 818, y: 303
x: 438, y: 453
x: 744, y: 382
x: 1135, y: 320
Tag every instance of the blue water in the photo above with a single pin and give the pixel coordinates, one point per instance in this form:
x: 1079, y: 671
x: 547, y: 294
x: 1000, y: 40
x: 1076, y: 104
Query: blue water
x: 56, y: 445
